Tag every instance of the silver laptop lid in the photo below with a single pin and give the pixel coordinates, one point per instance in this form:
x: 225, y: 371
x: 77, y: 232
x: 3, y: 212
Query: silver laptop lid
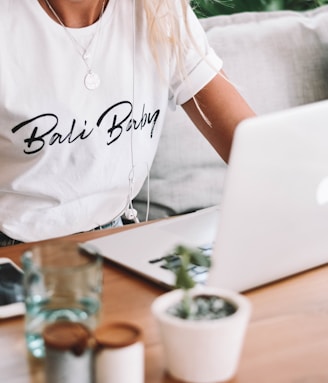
x: 274, y: 217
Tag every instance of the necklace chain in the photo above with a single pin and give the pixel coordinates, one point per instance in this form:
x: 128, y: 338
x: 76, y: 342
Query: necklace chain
x: 91, y: 80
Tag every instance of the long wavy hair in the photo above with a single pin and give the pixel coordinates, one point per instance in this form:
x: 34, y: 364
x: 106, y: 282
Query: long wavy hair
x: 163, y: 20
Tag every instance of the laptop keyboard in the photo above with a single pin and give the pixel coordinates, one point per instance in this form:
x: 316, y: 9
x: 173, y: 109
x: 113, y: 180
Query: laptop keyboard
x: 198, y: 273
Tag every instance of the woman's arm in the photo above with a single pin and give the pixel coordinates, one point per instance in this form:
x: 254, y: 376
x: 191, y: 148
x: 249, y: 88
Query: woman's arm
x: 224, y: 108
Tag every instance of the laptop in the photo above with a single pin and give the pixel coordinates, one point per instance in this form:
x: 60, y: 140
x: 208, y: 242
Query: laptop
x: 273, y: 219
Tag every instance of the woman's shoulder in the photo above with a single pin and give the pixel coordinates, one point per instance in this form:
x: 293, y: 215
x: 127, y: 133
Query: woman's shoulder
x: 14, y: 9
x: 7, y: 12
x: 13, y: 12
x: 10, y: 5
x: 5, y: 7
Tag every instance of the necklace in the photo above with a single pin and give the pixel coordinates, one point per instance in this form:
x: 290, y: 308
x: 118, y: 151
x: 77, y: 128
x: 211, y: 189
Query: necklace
x: 91, y: 79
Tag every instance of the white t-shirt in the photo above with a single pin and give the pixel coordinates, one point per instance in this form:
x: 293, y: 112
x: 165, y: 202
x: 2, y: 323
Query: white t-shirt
x: 70, y: 158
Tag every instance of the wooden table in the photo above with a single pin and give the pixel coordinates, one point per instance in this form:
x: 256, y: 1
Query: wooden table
x: 286, y: 342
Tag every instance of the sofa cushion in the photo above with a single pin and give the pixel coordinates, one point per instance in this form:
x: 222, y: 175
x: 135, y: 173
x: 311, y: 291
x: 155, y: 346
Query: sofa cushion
x: 277, y: 60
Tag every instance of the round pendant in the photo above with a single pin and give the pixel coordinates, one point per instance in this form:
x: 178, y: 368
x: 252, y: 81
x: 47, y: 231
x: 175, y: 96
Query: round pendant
x: 91, y: 80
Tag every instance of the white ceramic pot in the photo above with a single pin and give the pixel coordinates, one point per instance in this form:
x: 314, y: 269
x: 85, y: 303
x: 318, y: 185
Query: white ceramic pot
x: 204, y: 351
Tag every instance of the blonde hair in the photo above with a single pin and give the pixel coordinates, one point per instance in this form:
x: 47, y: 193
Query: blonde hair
x: 164, y: 26
x: 163, y: 22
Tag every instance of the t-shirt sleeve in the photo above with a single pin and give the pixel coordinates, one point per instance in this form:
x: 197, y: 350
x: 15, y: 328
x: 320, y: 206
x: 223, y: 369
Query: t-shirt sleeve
x: 200, y: 63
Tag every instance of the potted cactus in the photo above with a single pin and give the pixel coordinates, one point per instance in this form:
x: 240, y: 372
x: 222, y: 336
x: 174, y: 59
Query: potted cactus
x: 202, y: 328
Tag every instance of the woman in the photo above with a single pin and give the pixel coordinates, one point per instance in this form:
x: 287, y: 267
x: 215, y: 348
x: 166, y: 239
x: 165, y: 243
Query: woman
x: 84, y: 87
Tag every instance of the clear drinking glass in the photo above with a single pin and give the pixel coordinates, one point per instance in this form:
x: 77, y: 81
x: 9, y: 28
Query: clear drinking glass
x: 62, y: 282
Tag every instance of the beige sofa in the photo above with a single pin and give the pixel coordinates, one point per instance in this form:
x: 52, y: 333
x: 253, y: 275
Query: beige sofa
x: 278, y: 60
